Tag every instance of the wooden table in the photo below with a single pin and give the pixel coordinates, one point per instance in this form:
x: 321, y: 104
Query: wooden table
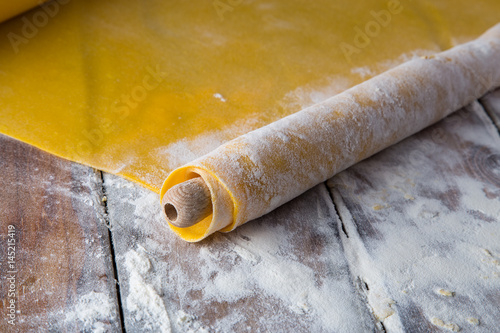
x: 408, y: 240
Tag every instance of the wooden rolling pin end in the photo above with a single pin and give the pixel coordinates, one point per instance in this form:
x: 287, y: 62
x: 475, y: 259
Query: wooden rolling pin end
x: 187, y: 203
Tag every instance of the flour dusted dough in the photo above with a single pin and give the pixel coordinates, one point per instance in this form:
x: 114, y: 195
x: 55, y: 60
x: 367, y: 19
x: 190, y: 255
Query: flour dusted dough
x: 257, y: 172
x: 139, y: 88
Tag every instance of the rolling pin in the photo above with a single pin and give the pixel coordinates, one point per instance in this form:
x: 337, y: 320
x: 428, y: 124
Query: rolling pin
x: 259, y: 171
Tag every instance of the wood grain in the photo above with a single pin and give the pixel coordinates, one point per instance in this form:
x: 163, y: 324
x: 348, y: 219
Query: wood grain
x: 285, y: 272
x: 300, y: 262
x: 187, y: 203
x: 424, y: 216
x: 64, y: 280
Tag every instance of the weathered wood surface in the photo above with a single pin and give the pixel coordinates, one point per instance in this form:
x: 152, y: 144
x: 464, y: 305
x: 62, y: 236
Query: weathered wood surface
x: 64, y: 280
x: 285, y: 272
x: 422, y: 252
x: 421, y: 225
x: 416, y: 247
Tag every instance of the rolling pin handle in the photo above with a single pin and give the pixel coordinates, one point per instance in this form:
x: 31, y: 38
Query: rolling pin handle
x: 187, y: 203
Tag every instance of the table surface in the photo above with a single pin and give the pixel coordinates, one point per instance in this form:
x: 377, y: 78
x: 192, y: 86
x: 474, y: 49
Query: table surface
x: 407, y: 240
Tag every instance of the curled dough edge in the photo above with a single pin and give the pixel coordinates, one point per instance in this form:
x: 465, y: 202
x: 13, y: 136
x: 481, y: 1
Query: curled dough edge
x: 224, y: 205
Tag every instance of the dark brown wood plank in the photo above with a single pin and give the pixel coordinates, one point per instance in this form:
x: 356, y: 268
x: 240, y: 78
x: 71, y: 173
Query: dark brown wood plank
x: 421, y: 225
x: 62, y: 269
x: 285, y: 272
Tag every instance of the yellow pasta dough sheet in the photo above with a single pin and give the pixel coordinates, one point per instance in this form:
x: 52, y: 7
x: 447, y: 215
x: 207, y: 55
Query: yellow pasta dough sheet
x: 138, y: 88
x: 9, y: 9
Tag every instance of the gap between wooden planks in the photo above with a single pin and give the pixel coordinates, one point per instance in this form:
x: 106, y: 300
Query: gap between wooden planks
x: 302, y: 261
x: 223, y: 284
x: 64, y: 279
x: 421, y: 224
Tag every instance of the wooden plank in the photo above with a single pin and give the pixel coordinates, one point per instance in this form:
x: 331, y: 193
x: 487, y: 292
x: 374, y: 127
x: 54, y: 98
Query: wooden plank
x: 285, y: 272
x: 63, y: 277
x: 491, y: 103
x: 421, y: 225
